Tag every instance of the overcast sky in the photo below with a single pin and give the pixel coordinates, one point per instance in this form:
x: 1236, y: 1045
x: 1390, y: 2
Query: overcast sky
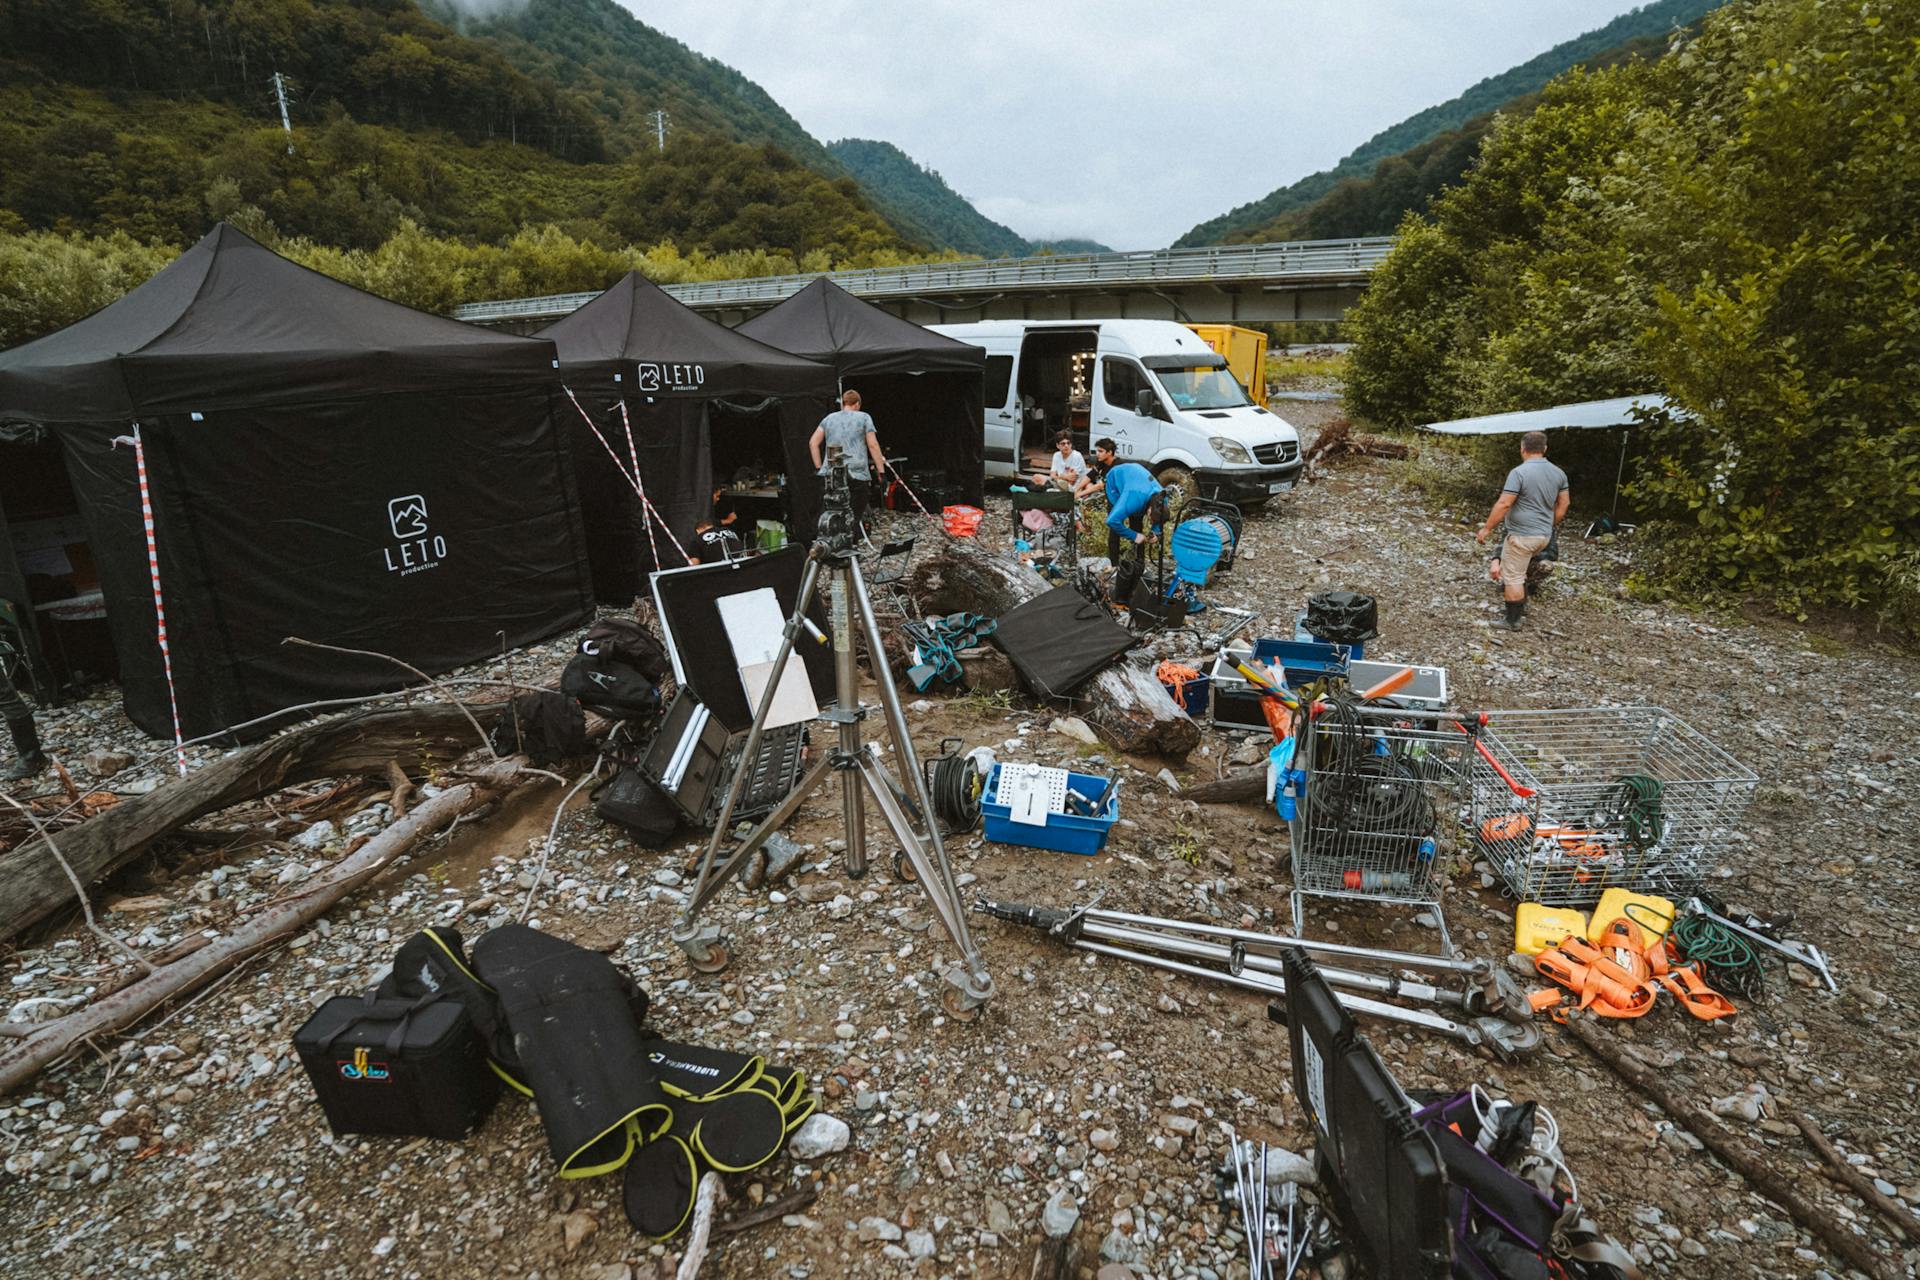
x: 1122, y: 120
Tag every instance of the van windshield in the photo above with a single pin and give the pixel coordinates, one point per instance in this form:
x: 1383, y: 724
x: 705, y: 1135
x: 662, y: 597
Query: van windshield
x: 1209, y: 388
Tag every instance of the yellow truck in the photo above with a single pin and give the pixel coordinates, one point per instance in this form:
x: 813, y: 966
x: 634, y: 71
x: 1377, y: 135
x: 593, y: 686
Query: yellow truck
x: 1246, y: 353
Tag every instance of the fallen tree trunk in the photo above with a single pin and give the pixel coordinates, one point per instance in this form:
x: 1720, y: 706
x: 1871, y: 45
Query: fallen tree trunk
x: 49, y: 1043
x: 32, y: 886
x: 1232, y: 788
x: 1125, y: 704
x: 1857, y: 1251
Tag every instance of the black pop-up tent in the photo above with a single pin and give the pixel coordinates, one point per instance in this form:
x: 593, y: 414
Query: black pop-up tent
x: 703, y: 402
x: 321, y: 463
x: 924, y: 390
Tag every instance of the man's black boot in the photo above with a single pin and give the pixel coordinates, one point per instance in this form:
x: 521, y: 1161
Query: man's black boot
x: 27, y: 743
x: 1515, y: 608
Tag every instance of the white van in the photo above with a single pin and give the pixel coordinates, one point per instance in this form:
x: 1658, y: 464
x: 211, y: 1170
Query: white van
x: 1165, y: 398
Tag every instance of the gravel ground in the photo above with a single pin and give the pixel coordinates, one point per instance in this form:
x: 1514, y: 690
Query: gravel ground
x: 191, y: 1147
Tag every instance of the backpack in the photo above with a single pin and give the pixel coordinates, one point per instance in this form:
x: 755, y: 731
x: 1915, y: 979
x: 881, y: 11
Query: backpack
x: 630, y: 800
x: 547, y: 726
x: 611, y: 687
x: 630, y: 641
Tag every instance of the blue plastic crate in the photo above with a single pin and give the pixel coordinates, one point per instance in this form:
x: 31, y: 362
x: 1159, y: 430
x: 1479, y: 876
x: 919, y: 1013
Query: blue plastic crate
x: 1193, y: 695
x: 1064, y: 832
x: 1304, y: 661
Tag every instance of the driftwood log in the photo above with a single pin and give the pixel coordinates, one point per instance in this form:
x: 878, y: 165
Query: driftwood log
x: 1125, y: 704
x: 1231, y: 788
x: 32, y: 886
x: 52, y: 1041
x: 1857, y: 1251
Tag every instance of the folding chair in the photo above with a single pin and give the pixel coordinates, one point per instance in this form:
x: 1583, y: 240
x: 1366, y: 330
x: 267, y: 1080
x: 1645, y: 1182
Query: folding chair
x: 1059, y: 505
x: 886, y: 575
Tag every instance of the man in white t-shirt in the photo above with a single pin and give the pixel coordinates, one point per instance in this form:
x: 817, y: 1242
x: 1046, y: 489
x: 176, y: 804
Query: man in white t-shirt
x: 1066, y: 468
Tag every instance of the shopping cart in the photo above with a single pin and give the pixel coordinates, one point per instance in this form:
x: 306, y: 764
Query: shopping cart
x: 1568, y: 804
x: 1378, y: 806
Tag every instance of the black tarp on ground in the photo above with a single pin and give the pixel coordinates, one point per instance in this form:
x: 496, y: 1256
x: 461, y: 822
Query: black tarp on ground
x: 924, y: 390
x: 324, y: 464
x: 674, y: 368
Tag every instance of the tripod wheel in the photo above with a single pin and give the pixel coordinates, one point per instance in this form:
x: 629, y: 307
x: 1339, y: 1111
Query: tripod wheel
x: 954, y: 1003
x: 718, y: 958
x: 903, y: 868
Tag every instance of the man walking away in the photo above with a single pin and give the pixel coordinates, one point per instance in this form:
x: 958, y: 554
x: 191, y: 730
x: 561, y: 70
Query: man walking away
x: 1533, y: 502
x: 13, y: 709
x: 857, y: 437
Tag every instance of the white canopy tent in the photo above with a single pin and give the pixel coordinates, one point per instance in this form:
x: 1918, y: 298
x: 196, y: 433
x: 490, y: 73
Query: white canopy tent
x: 1622, y: 411
x: 1618, y: 412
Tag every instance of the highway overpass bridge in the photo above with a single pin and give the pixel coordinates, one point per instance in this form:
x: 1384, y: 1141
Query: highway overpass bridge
x: 1294, y: 280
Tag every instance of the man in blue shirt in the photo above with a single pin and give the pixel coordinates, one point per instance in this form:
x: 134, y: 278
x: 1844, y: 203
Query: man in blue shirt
x: 1131, y: 490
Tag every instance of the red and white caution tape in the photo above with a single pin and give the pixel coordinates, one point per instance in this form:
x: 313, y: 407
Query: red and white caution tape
x: 159, y: 599
x: 634, y: 453
x: 632, y: 478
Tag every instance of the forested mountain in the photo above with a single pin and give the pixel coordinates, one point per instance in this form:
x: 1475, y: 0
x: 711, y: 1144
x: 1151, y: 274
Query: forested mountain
x: 1438, y: 141
x: 920, y: 203
x: 624, y: 70
x: 152, y: 117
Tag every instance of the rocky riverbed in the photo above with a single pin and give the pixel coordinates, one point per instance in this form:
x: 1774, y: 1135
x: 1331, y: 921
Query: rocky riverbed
x: 190, y: 1147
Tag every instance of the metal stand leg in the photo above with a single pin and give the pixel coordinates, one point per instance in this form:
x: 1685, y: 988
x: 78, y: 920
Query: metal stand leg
x: 853, y: 622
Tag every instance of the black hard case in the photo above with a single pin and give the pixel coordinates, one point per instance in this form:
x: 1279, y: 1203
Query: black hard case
x: 1388, y: 1185
x: 395, y: 1067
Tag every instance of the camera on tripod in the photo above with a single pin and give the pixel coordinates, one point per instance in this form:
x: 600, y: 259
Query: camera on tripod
x: 836, y: 533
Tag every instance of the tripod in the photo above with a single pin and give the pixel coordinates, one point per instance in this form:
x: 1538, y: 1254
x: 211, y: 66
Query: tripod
x: 861, y: 772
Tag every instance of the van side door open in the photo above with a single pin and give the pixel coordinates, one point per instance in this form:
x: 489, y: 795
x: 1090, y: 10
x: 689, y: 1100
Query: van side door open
x: 1116, y: 409
x: 1003, y: 418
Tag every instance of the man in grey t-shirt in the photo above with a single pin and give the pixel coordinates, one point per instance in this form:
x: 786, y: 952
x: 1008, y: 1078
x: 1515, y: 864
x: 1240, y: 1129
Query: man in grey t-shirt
x: 858, y: 440
x: 1533, y: 502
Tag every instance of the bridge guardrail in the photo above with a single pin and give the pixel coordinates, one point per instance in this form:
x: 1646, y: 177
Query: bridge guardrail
x: 1298, y: 260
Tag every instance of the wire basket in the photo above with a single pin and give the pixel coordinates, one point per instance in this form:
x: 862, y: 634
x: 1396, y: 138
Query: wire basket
x: 1621, y: 797
x: 1383, y: 793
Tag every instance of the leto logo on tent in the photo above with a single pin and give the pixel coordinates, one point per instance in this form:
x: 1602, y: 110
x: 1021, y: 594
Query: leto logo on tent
x: 671, y: 377
x: 415, y: 548
x: 408, y: 516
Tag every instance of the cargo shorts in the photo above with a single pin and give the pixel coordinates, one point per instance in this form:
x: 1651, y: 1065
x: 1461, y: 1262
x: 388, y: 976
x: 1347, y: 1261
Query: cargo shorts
x: 1516, y: 553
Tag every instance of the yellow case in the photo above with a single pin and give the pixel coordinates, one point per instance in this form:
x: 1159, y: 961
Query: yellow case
x: 1654, y: 915
x: 1537, y: 927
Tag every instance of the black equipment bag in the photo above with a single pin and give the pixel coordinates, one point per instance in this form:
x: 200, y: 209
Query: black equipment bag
x: 607, y: 685
x: 1059, y: 640
x: 548, y: 726
x: 1342, y: 617
x: 397, y: 1067
x: 629, y: 799
x: 1388, y: 1185
x: 575, y: 1022
x: 630, y: 641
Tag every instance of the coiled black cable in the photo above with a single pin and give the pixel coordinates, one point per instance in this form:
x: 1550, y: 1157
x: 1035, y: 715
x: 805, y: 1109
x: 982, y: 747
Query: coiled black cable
x: 954, y: 785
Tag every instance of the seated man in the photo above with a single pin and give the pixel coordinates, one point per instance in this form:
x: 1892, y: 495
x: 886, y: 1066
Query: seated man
x: 1131, y: 490
x: 1067, y: 468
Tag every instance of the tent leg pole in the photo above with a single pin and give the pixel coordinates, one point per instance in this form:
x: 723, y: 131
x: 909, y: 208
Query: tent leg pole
x: 1619, y: 473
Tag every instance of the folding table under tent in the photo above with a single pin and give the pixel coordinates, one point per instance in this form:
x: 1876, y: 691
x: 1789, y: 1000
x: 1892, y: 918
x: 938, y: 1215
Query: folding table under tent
x: 925, y: 391
x: 319, y: 463
x: 1622, y: 411
x: 691, y: 388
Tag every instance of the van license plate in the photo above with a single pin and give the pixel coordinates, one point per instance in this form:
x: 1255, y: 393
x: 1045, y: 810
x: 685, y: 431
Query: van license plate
x: 1279, y: 486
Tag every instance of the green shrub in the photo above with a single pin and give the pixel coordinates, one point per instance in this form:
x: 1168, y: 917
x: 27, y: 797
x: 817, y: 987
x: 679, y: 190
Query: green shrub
x: 1731, y: 225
